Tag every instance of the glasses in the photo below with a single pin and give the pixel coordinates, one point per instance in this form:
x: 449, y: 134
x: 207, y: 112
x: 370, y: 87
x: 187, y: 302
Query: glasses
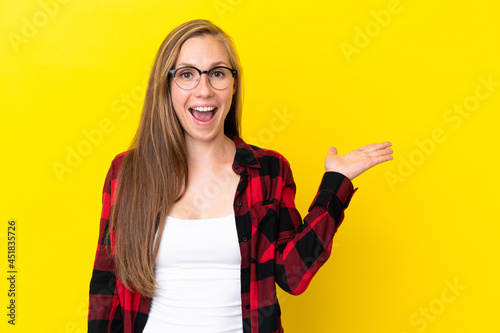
x: 188, y: 77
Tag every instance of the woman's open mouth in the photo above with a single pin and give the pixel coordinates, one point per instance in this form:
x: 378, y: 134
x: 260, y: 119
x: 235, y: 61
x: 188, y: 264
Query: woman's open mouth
x: 203, y: 115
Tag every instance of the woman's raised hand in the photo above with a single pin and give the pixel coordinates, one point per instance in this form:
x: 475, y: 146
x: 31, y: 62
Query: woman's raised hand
x: 358, y: 161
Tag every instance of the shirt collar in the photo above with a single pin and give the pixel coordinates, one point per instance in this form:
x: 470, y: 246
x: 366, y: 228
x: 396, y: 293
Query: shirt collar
x: 245, y: 154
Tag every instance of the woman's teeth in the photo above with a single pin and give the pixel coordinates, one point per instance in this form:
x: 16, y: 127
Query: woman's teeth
x: 204, y: 108
x: 203, y: 113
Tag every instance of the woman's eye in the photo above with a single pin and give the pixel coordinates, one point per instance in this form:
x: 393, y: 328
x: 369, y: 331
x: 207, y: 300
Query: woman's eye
x: 186, y: 75
x: 218, y: 74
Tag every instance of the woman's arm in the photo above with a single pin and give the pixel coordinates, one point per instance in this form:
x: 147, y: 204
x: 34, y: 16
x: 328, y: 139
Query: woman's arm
x: 304, y: 246
x: 104, y: 312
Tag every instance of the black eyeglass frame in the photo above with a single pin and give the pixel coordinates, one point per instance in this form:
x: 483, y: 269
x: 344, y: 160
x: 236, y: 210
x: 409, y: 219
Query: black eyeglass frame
x: 175, y: 70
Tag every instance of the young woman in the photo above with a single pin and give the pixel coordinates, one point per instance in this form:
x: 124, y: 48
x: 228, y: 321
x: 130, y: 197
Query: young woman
x: 198, y: 226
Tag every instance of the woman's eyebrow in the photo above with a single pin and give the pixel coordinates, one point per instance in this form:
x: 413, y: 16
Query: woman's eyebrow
x: 217, y: 63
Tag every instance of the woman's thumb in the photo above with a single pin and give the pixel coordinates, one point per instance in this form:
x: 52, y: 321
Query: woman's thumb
x: 333, y: 150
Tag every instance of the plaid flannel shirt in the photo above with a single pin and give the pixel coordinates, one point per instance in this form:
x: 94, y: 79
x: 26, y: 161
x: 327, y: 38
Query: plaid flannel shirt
x: 276, y: 245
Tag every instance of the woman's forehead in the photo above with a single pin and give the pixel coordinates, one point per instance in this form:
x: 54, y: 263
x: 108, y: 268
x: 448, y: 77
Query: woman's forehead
x: 203, y: 52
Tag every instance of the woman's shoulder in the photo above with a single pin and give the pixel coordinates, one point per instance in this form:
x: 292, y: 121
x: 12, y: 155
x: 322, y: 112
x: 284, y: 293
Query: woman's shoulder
x: 116, y: 162
x: 269, y: 158
x: 266, y: 152
x: 119, y: 157
x: 262, y: 155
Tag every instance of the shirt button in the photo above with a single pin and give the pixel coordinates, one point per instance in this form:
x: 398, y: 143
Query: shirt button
x: 244, y: 239
x: 238, y: 204
x: 236, y: 165
x: 247, y: 307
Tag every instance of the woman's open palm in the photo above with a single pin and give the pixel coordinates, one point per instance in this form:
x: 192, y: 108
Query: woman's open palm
x: 358, y: 161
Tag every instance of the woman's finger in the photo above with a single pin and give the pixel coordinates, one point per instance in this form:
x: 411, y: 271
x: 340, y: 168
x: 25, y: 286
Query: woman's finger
x: 381, y: 152
x: 375, y: 146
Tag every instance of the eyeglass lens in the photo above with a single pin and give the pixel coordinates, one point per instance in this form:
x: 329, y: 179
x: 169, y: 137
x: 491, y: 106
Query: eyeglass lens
x: 188, y: 78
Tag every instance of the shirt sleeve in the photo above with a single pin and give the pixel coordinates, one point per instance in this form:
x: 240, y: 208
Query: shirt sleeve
x: 303, y: 246
x: 104, y: 308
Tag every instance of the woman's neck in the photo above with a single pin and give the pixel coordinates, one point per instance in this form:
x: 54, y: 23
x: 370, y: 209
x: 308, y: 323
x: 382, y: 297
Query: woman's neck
x: 219, y: 150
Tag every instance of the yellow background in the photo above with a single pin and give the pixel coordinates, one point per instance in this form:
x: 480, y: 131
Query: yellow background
x: 317, y: 74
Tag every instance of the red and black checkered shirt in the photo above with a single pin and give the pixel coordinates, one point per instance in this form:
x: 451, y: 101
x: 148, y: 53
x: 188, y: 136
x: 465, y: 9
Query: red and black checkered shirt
x: 277, y: 246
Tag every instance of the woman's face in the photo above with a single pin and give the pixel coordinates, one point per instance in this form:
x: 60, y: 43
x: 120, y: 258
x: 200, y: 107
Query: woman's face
x: 203, y: 109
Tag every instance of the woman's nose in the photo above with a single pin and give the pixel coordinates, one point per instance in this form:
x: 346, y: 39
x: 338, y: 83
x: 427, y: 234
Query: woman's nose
x: 204, y: 88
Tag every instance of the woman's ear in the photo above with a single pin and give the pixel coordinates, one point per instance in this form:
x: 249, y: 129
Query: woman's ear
x: 235, y: 86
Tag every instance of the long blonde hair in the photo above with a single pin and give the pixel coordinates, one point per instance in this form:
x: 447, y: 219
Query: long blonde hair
x: 154, y: 171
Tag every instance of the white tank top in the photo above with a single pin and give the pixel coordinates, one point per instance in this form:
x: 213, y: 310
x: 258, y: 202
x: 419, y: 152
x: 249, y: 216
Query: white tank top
x: 198, y: 272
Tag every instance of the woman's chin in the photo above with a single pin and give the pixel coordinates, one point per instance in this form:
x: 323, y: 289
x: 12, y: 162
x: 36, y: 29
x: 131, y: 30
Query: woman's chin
x: 204, y: 135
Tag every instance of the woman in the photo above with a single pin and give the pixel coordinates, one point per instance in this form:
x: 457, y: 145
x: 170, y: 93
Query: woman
x: 197, y: 226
